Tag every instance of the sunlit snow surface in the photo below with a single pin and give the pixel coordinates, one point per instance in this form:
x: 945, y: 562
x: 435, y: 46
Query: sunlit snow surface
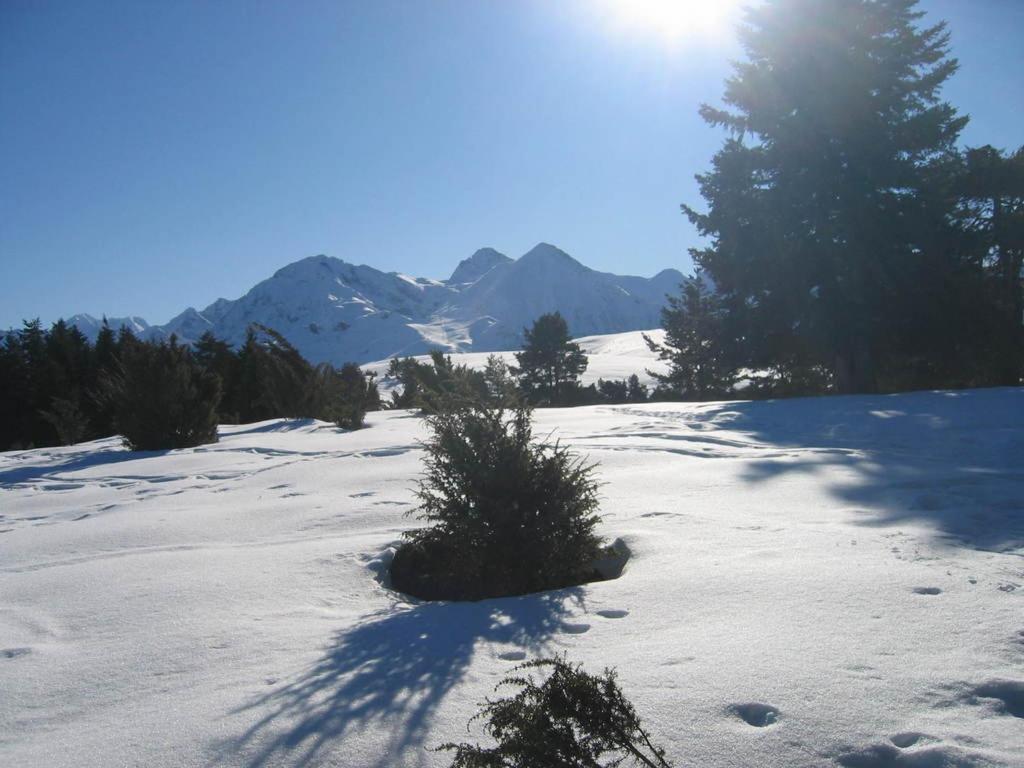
x: 832, y: 581
x: 611, y: 356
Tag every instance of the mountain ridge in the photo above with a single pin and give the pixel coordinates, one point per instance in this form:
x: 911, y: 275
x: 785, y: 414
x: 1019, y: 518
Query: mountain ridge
x: 334, y: 311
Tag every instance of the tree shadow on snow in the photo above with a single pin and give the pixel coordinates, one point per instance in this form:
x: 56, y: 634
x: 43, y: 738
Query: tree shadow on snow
x: 388, y: 675
x: 952, y: 459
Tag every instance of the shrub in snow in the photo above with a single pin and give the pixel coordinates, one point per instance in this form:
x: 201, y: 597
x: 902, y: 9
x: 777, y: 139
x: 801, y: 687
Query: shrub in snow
x: 439, y: 385
x: 354, y: 393
x: 571, y: 719
x: 162, y: 398
x: 508, y: 515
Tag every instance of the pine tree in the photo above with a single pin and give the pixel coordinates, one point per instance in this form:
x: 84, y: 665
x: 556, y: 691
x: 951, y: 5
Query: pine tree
x: 502, y: 389
x: 105, y: 362
x: 507, y: 515
x: 14, y: 383
x: 695, y: 346
x: 635, y: 391
x: 550, y: 365
x: 216, y: 356
x: 990, y: 188
x: 823, y: 222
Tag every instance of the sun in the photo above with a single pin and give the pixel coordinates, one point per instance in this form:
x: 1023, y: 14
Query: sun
x: 673, y: 22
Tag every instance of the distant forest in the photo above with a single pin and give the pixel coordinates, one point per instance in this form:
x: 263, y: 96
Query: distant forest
x: 57, y: 388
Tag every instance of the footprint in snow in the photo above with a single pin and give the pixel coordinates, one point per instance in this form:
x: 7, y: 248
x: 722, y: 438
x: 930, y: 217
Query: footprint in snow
x: 1009, y: 694
x: 756, y: 714
x: 909, y: 739
x: 575, y: 629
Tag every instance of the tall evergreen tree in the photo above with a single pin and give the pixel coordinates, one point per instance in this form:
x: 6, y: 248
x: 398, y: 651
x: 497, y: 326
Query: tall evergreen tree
x: 990, y: 189
x: 550, y: 365
x: 216, y: 356
x: 695, y: 346
x: 105, y: 361
x: 821, y: 206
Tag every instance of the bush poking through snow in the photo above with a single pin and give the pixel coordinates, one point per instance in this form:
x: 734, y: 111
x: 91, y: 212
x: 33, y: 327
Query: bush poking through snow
x: 508, y: 515
x: 571, y: 719
x: 162, y: 398
x: 354, y: 394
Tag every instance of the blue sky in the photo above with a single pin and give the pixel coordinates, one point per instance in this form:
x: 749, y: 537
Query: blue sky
x: 158, y: 155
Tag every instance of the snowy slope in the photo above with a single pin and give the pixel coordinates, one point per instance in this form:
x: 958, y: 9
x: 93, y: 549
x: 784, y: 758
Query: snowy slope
x: 613, y: 356
x: 334, y: 311
x: 853, y: 564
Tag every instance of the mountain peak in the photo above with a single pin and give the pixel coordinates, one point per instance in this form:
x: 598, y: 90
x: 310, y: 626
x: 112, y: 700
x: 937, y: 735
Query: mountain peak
x: 476, y: 266
x: 309, y: 264
x: 545, y: 253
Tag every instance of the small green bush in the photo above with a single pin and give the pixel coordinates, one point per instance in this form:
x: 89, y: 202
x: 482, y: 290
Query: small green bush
x: 354, y: 394
x: 571, y: 719
x: 508, y: 515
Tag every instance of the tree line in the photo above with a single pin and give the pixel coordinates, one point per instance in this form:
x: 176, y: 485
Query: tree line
x: 60, y: 389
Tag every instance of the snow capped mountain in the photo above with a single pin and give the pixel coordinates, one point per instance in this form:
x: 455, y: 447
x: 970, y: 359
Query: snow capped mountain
x: 91, y: 326
x: 333, y: 311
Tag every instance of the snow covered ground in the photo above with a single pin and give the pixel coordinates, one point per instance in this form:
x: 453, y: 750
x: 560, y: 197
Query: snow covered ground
x: 818, y: 582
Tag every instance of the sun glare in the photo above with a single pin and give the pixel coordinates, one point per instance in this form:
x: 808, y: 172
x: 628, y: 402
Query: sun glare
x: 676, y: 23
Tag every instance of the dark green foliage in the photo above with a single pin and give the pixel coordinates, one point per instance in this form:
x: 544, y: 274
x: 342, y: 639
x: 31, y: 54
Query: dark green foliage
x: 612, y: 391
x: 162, y: 398
x: 354, y: 394
x: 502, y: 388
x: 570, y: 720
x: 268, y: 378
x: 550, y: 365
x: 507, y: 515
x: 989, y: 188
x: 622, y: 391
x: 635, y: 391
x: 48, y: 382
x: 696, y: 346
x: 289, y: 384
x: 70, y: 423
x: 217, y: 356
x: 440, y: 385
x: 55, y: 387
x: 830, y: 209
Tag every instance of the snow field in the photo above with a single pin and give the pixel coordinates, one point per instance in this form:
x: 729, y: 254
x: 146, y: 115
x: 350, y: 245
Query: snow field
x: 815, y: 582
